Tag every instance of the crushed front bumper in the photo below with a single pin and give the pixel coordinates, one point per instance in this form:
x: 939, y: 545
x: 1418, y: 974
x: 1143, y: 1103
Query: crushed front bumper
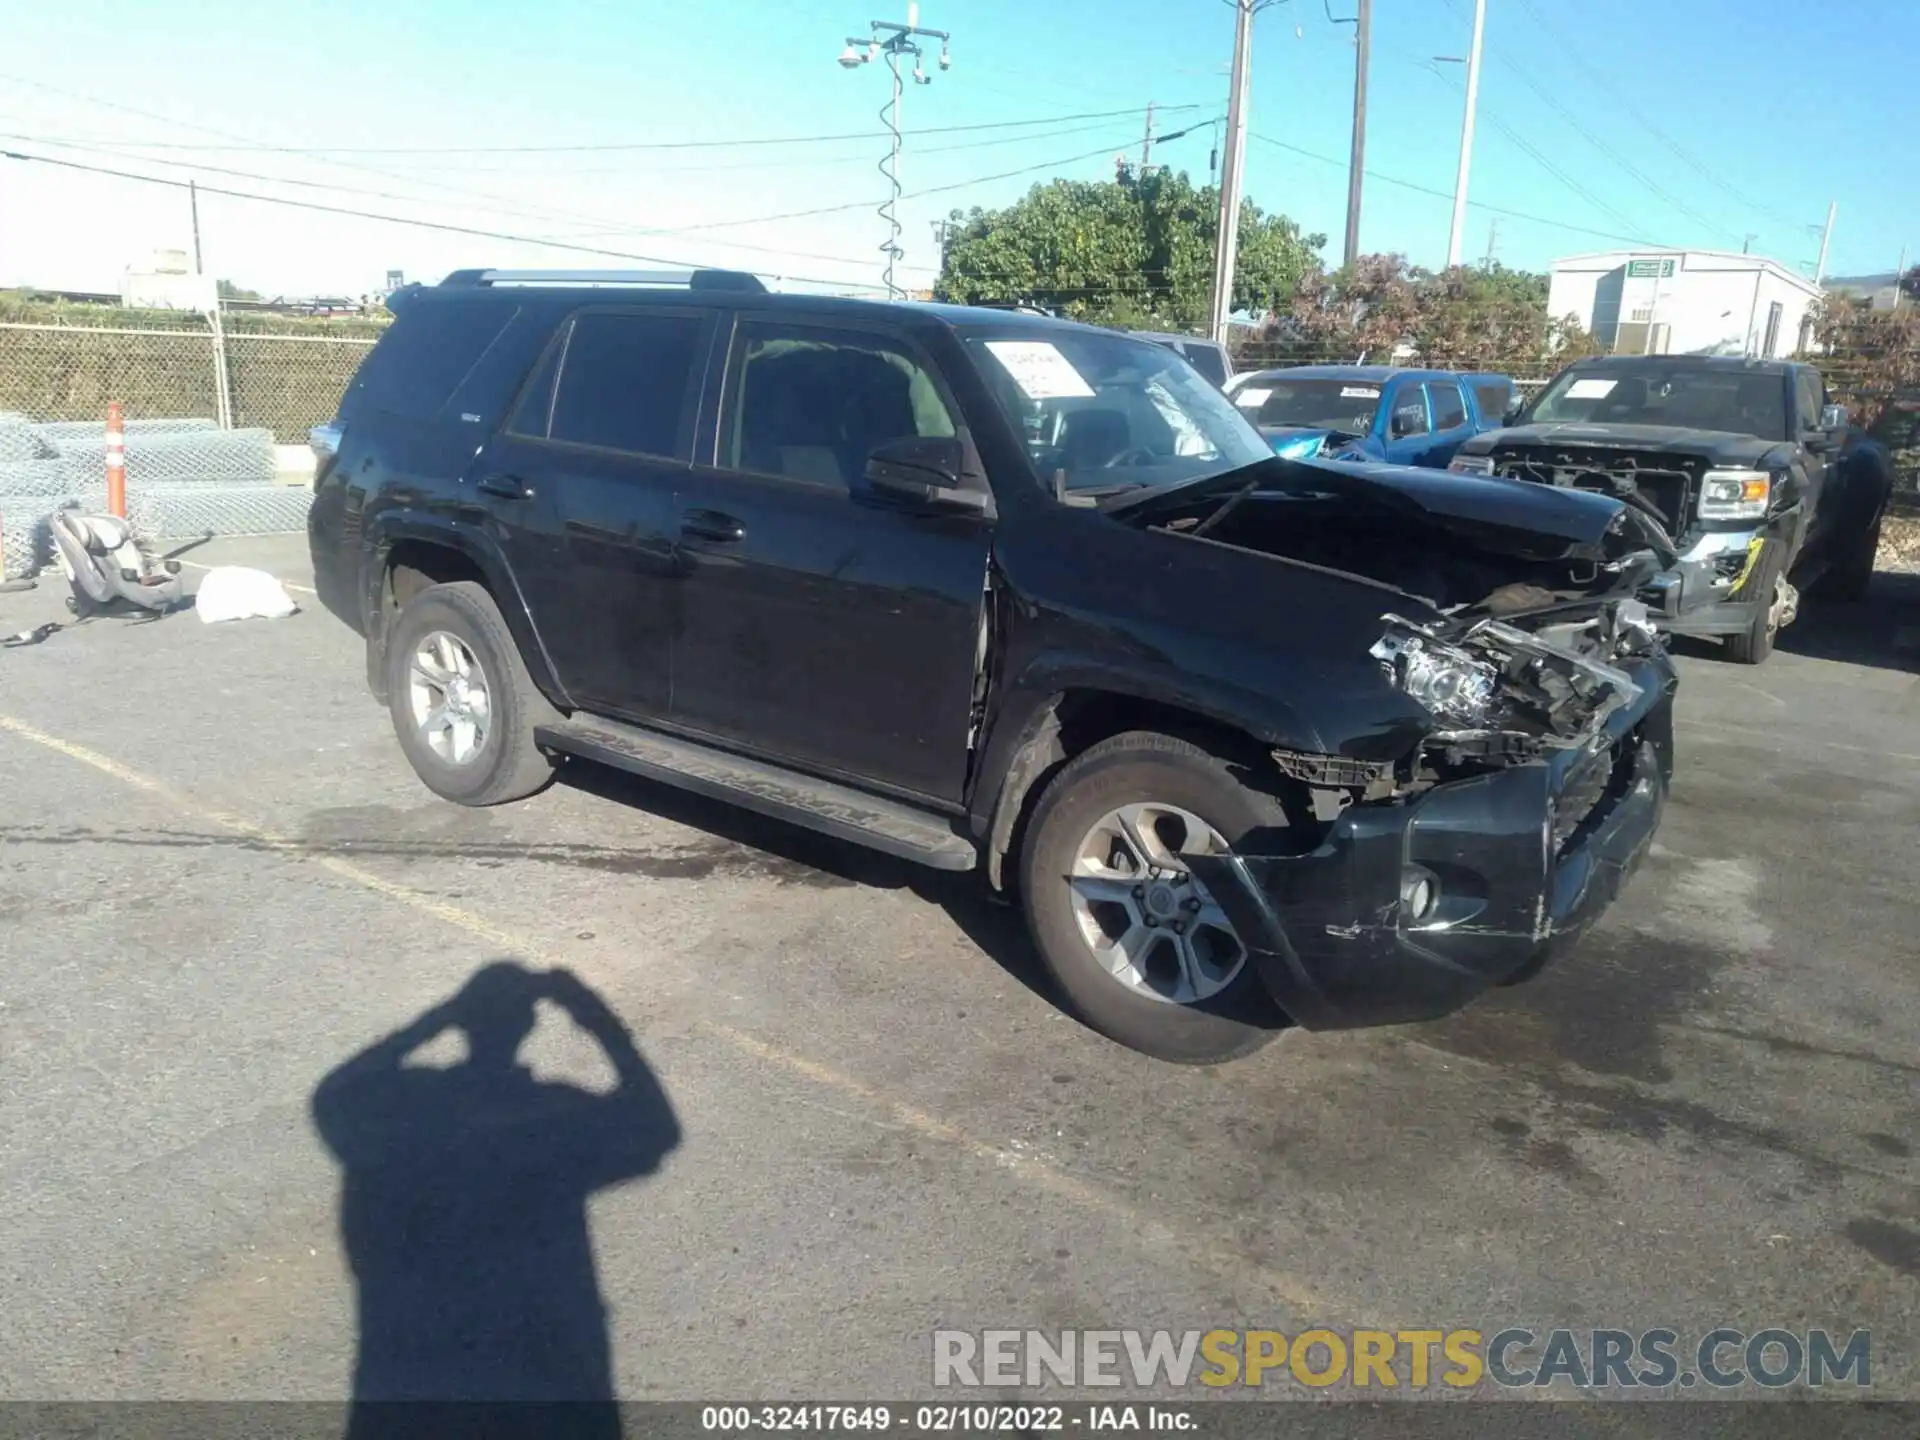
x: 1329, y: 934
x: 1714, y: 589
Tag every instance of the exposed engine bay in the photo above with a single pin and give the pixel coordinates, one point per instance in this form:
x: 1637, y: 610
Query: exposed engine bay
x: 1537, y: 633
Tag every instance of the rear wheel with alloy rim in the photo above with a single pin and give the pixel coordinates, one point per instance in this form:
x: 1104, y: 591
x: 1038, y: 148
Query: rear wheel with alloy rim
x: 463, y: 706
x: 1139, y: 947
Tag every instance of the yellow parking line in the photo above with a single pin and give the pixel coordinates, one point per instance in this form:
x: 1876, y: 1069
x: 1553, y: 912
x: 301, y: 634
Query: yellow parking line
x: 1224, y: 1260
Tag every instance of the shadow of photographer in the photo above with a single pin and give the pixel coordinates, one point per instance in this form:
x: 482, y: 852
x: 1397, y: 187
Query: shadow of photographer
x: 463, y: 1212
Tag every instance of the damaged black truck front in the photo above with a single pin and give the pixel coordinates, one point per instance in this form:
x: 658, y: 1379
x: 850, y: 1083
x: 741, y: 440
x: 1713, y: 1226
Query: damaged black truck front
x: 1747, y: 464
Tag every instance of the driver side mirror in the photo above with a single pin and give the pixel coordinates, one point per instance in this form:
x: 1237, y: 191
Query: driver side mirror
x: 1833, y: 417
x: 1514, y: 407
x: 924, y: 471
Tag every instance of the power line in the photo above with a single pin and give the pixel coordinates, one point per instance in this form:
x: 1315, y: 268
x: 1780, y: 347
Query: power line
x: 324, y: 150
x: 1553, y: 102
x: 1614, y: 100
x: 910, y: 195
x: 606, y: 226
x: 1528, y: 148
x: 395, y: 219
x: 1448, y: 195
x: 707, y: 167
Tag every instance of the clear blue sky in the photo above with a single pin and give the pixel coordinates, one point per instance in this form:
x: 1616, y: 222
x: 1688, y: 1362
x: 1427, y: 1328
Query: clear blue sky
x: 1681, y: 122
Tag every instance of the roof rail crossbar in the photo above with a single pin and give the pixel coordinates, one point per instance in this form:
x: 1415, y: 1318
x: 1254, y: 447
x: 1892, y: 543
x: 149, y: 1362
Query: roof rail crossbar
x: 688, y: 279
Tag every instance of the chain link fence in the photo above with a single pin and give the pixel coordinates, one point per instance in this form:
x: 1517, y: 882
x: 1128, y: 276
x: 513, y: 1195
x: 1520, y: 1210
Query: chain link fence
x: 211, y: 414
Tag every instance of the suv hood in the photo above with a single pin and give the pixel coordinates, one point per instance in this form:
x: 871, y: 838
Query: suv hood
x: 1499, y: 516
x: 1721, y: 446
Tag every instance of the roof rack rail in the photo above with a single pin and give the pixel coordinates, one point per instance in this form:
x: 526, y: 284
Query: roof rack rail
x: 686, y: 279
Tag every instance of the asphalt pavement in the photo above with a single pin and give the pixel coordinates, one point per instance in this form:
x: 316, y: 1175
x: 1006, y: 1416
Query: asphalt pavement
x: 851, y: 1113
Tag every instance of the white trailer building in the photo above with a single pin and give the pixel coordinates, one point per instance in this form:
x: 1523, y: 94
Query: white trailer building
x: 1684, y: 302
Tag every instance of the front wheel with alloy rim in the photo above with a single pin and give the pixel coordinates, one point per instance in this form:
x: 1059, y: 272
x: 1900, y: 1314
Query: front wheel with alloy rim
x: 1141, y: 950
x: 463, y: 706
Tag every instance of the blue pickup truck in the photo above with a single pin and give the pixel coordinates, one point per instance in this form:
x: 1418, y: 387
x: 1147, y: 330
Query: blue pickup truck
x: 1371, y: 412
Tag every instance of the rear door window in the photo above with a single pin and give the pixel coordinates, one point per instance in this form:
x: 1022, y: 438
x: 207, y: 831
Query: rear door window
x: 419, y: 363
x: 1449, y: 410
x: 626, y: 380
x: 1409, y: 413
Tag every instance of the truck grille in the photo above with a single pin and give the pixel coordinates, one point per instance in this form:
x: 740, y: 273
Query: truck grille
x: 1664, y: 484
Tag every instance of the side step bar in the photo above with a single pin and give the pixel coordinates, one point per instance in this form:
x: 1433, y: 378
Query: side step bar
x: 832, y: 809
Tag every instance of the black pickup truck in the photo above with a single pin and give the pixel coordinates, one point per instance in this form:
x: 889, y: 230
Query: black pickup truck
x: 1747, y: 464
x: 1257, y: 742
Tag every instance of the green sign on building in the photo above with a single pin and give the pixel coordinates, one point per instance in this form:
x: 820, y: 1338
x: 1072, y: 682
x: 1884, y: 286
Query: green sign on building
x: 1650, y: 269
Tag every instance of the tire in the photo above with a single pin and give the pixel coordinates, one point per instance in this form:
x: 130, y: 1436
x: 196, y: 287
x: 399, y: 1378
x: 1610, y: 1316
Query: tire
x: 1144, y: 768
x: 1754, y: 644
x: 503, y: 763
x: 1852, y: 572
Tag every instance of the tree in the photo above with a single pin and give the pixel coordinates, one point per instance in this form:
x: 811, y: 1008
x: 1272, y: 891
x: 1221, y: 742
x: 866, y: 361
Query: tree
x: 1867, y: 356
x: 1385, y: 310
x: 230, y: 291
x: 1909, y: 283
x: 1137, y: 251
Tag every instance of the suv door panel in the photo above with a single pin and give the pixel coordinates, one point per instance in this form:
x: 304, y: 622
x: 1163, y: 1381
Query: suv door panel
x: 590, y: 531
x: 817, y: 626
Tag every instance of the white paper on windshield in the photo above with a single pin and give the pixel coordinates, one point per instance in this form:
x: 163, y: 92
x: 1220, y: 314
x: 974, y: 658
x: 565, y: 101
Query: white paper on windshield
x: 1040, y: 370
x: 1590, y: 389
x: 1251, y: 398
x: 1359, y: 392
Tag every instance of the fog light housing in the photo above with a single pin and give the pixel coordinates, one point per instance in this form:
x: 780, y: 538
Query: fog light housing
x: 1419, y: 894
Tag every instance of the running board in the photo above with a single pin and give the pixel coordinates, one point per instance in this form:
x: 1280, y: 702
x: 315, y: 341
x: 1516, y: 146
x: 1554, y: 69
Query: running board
x: 832, y: 809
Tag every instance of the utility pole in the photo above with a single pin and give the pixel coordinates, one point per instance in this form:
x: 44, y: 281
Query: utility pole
x: 1899, y: 274
x: 193, y: 204
x: 1493, y: 239
x: 1357, y: 160
x: 1226, y: 250
x: 1746, y: 243
x: 1146, y: 145
x: 1466, y: 135
x: 1826, y: 234
x: 894, y: 42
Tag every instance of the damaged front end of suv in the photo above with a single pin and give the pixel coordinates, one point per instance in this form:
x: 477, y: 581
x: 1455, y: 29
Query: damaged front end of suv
x: 1506, y: 825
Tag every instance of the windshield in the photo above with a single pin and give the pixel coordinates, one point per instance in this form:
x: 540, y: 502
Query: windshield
x: 1113, y: 413
x: 1705, y: 398
x: 1347, y: 405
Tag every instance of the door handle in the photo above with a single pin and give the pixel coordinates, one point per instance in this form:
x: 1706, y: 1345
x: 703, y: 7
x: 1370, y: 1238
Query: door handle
x: 711, y: 525
x: 507, y: 487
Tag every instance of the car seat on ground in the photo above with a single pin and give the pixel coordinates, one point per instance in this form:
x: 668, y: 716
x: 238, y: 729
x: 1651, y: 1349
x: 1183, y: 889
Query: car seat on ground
x: 110, y: 569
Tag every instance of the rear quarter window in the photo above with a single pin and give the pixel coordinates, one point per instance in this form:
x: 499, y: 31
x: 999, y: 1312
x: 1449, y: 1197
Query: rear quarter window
x: 1492, y: 398
x: 422, y: 359
x: 1209, y: 362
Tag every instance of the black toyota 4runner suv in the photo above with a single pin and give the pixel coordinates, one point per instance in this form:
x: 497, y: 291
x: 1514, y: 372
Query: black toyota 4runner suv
x: 1256, y: 742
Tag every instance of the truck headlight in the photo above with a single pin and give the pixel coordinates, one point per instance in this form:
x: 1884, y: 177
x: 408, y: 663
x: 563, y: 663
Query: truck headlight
x: 1471, y: 465
x: 1735, y: 494
x: 1449, y: 682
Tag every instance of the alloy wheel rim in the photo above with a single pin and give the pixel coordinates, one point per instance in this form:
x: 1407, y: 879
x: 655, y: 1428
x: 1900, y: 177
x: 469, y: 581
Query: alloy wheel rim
x: 449, y: 698
x: 1149, y: 921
